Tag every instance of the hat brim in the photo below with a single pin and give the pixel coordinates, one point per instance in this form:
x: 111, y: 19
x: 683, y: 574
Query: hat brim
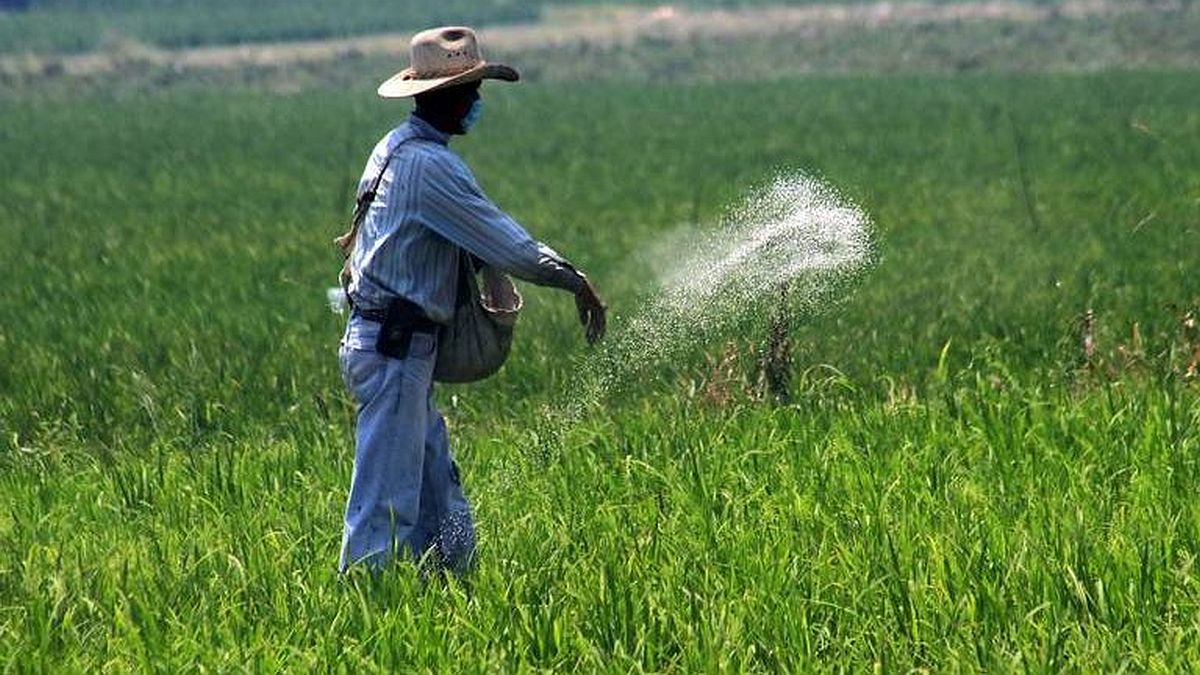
x: 405, y: 83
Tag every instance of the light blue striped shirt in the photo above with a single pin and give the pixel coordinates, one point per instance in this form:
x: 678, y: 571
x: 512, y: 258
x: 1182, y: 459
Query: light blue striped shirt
x: 428, y: 206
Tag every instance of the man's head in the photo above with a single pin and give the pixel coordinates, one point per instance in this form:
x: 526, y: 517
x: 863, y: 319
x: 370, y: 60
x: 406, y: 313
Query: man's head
x: 451, y: 109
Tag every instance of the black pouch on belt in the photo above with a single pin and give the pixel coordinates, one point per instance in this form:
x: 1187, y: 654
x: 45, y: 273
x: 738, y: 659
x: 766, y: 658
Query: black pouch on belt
x: 401, y: 319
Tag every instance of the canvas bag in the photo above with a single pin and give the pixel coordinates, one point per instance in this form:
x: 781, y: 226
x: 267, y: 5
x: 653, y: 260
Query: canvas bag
x: 478, y: 338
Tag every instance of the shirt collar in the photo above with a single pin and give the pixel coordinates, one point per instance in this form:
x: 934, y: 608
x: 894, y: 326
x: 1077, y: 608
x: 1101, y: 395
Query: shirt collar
x: 423, y: 129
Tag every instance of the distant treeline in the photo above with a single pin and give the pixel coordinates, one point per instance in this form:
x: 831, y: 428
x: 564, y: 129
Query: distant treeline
x: 58, y: 26
x: 61, y: 26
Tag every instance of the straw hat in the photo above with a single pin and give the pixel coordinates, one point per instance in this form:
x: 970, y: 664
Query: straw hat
x: 443, y: 57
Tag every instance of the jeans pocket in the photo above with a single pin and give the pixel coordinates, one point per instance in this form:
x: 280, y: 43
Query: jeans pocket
x: 362, y: 371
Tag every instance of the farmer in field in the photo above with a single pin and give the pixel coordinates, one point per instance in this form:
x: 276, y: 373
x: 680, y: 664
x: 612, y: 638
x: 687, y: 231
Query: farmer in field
x: 421, y: 208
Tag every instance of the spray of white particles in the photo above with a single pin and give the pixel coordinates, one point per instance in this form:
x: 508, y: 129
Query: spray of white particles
x: 797, y: 240
x: 797, y: 234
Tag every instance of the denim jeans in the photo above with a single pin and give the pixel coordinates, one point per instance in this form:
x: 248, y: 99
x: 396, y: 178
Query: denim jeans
x: 406, y: 497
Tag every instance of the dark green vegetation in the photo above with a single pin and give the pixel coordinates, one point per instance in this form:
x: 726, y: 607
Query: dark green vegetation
x: 75, y: 26
x: 956, y: 484
x: 85, y: 25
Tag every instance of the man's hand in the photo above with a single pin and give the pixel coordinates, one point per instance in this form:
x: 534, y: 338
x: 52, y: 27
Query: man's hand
x: 591, y: 312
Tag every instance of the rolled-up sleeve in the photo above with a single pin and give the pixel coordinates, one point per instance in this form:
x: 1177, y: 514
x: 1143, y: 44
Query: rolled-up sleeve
x: 453, y: 205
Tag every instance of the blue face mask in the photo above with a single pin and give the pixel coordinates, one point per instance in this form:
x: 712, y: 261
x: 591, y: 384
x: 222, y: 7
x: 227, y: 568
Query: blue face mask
x: 472, y: 117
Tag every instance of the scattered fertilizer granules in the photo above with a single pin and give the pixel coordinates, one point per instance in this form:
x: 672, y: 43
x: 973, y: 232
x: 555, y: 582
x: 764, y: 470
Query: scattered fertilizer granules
x: 796, y: 240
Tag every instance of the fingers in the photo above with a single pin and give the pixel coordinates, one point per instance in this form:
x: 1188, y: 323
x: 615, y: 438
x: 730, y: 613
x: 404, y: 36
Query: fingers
x: 591, y: 314
x: 597, y: 323
x: 590, y: 328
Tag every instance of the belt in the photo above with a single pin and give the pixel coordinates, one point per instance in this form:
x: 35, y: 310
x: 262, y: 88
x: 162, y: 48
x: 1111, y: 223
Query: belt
x: 375, y: 315
x: 404, y: 314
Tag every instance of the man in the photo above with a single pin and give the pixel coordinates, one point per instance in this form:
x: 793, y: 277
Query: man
x: 405, y: 495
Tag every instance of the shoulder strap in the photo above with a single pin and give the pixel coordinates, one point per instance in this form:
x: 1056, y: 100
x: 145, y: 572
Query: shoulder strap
x: 466, y: 274
x: 346, y: 241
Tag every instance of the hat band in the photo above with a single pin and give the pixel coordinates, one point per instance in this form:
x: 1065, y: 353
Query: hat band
x: 436, y: 73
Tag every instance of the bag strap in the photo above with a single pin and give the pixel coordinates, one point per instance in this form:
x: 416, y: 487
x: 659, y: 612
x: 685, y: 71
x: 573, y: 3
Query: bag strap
x: 363, y: 203
x: 466, y: 273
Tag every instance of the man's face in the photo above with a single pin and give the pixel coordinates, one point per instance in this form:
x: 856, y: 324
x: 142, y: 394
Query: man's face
x: 470, y: 94
x: 448, y: 107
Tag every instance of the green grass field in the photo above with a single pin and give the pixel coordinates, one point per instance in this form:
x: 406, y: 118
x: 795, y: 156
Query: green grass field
x: 953, y: 486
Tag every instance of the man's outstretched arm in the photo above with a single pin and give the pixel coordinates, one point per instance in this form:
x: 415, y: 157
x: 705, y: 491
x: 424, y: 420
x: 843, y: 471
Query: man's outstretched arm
x: 455, y: 207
